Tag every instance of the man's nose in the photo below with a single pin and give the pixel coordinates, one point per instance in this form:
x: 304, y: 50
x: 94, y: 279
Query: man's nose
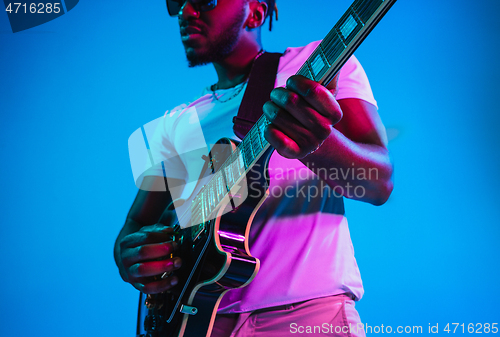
x: 188, y: 11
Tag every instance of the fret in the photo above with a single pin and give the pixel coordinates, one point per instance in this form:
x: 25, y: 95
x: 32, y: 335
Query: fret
x: 234, y: 174
x: 309, y: 74
x: 304, y: 71
x: 219, y: 191
x: 215, y: 198
x: 211, y: 198
x: 220, y: 186
x: 224, y: 183
x: 215, y: 179
x: 333, y: 46
x: 245, y: 153
x: 205, y: 207
x: 348, y: 26
x: 231, y: 174
x: 323, y: 55
x: 310, y: 70
x: 241, y: 163
x: 233, y: 161
x: 254, y: 141
x: 246, y: 150
x: 214, y: 192
x: 366, y: 8
x: 228, y: 176
x: 259, y: 135
x: 248, y: 154
x: 235, y: 170
x: 258, y: 141
x: 245, y: 158
x: 341, y: 38
x: 220, y: 182
x: 202, y: 207
x: 356, y: 15
x: 207, y: 200
x: 249, y: 146
x: 209, y: 204
x: 261, y: 126
x: 238, y: 162
x: 317, y: 64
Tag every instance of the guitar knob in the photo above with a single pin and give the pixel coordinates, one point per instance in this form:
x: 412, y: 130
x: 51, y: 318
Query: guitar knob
x: 153, y: 323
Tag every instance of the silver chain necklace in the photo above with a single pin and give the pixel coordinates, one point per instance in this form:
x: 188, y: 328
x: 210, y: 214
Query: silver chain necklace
x: 216, y: 86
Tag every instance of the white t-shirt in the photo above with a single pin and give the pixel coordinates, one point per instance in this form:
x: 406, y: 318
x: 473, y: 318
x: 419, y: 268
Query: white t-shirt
x: 302, y: 241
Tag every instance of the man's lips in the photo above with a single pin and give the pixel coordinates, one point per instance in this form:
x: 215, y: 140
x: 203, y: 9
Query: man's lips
x: 190, y: 30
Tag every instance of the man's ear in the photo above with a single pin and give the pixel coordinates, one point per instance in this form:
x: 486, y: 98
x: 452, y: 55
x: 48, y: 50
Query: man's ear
x: 257, y: 13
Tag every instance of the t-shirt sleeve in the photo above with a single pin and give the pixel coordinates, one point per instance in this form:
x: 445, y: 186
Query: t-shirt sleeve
x: 166, y: 161
x: 353, y: 82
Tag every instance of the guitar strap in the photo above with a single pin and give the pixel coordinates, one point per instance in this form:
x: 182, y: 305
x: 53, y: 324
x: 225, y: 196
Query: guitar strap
x: 260, y: 84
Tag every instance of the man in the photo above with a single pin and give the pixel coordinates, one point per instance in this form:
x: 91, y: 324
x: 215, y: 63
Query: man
x: 308, y: 274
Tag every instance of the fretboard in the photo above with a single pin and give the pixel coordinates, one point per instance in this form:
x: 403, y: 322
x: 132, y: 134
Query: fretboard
x: 321, y: 66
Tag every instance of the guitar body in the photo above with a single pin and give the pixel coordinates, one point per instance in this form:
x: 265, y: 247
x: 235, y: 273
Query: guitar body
x: 214, y: 260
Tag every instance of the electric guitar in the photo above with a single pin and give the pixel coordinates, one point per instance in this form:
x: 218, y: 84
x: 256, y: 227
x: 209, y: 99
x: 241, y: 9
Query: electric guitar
x: 214, y: 245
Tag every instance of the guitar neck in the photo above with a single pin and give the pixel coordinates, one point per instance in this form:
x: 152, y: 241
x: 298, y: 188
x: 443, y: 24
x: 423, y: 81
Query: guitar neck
x: 325, y: 61
x: 344, y: 38
x: 321, y: 66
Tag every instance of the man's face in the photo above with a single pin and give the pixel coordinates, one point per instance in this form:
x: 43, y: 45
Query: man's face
x: 211, y: 36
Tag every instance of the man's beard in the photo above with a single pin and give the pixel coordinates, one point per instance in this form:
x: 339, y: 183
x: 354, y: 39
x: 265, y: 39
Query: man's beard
x: 221, y: 47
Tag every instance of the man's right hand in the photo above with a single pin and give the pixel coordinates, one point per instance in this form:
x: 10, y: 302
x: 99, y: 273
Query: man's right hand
x: 146, y: 256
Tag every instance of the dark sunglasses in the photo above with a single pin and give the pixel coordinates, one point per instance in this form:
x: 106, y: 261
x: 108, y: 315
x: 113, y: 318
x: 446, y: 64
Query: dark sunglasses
x: 174, y: 6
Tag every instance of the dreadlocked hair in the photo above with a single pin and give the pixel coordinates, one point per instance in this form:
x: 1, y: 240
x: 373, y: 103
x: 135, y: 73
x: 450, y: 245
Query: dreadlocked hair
x: 272, y: 8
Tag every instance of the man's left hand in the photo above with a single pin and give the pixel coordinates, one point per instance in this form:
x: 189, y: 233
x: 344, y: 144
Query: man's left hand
x: 302, y: 116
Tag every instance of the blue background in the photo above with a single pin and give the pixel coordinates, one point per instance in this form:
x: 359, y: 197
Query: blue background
x: 74, y: 89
